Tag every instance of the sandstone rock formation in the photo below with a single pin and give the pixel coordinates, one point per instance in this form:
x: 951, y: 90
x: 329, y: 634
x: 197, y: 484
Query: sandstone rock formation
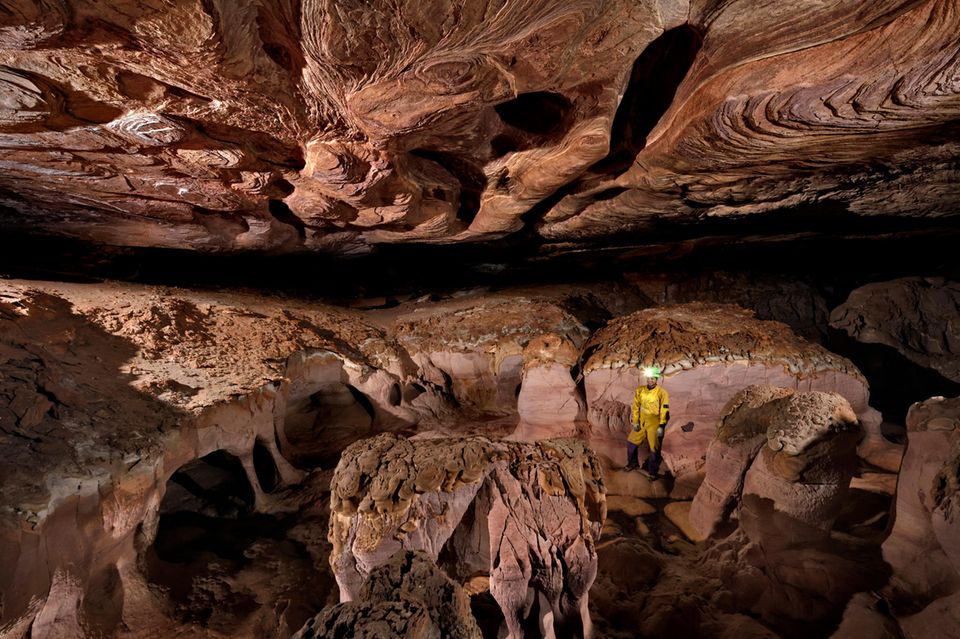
x: 923, y: 548
x: 409, y: 596
x: 476, y: 350
x: 782, y: 298
x: 549, y: 396
x: 524, y: 515
x: 918, y: 317
x: 308, y: 126
x: 708, y: 352
x: 166, y: 470
x: 783, y: 460
x: 107, y: 391
x: 781, y: 465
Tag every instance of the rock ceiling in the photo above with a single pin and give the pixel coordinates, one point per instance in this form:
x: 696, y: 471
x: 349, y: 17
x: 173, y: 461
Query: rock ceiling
x: 322, y: 125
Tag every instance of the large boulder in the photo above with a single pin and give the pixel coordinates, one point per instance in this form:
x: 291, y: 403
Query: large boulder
x: 741, y: 433
x: 919, y: 317
x: 525, y: 516
x: 708, y: 352
x: 923, y: 548
x: 783, y: 460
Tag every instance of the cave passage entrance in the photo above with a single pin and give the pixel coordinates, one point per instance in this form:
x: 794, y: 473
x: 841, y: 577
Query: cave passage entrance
x: 207, y: 526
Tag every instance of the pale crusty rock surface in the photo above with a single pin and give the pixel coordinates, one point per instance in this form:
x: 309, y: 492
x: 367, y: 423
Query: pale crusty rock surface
x: 793, y: 451
x: 314, y: 126
x: 708, y: 352
x: 106, y: 391
x: 168, y: 350
x: 781, y: 298
x: 524, y: 515
x: 918, y: 317
x: 477, y: 349
x: 741, y: 432
x: 409, y: 596
x: 549, y: 396
x: 923, y: 547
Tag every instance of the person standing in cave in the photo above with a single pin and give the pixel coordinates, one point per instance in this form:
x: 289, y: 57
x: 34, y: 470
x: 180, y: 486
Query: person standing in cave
x: 649, y: 416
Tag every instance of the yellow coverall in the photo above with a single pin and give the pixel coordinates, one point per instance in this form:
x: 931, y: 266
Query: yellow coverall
x: 651, y: 408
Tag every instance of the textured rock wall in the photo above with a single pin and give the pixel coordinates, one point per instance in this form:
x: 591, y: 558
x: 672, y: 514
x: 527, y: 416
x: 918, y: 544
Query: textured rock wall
x: 784, y: 460
x: 919, y: 317
x: 312, y: 125
x: 524, y: 515
x: 924, y: 545
x: 107, y: 391
x: 708, y: 352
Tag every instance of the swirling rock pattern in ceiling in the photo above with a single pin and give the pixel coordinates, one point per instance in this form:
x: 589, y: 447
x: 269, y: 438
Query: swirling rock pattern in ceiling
x: 289, y: 125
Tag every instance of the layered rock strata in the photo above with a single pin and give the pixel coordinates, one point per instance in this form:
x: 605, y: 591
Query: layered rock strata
x: 707, y: 352
x: 525, y: 516
x: 280, y: 126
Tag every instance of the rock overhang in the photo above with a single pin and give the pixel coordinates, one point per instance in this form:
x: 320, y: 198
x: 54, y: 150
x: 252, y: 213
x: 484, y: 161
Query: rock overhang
x: 470, y: 125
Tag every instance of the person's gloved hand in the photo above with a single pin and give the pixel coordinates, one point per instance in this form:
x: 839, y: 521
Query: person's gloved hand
x: 636, y: 427
x: 660, y: 430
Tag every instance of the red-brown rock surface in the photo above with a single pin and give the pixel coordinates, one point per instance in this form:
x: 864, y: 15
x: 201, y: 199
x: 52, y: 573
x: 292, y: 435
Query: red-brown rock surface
x: 708, y: 352
x: 112, y: 397
x: 526, y: 516
x: 918, y: 317
x: 329, y: 126
x: 409, y: 596
x: 923, y: 548
x: 784, y: 460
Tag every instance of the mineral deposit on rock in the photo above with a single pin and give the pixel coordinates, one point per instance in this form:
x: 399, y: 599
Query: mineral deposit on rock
x: 708, y: 352
x: 526, y: 516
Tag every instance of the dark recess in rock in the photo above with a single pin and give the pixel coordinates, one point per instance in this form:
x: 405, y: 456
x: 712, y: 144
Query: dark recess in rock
x: 895, y: 382
x: 282, y: 213
x: 654, y: 80
x: 471, y: 177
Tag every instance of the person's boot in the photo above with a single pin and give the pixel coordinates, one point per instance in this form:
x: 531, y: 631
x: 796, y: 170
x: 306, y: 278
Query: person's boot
x: 651, y: 466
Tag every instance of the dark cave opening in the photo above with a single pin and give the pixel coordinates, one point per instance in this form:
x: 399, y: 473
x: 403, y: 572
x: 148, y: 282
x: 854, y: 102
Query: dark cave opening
x: 206, y: 530
x: 532, y: 120
x: 267, y: 474
x: 320, y: 425
x: 895, y: 382
x: 471, y: 177
x: 654, y: 80
x: 487, y: 612
x: 214, y: 485
x: 538, y: 112
x: 282, y: 213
